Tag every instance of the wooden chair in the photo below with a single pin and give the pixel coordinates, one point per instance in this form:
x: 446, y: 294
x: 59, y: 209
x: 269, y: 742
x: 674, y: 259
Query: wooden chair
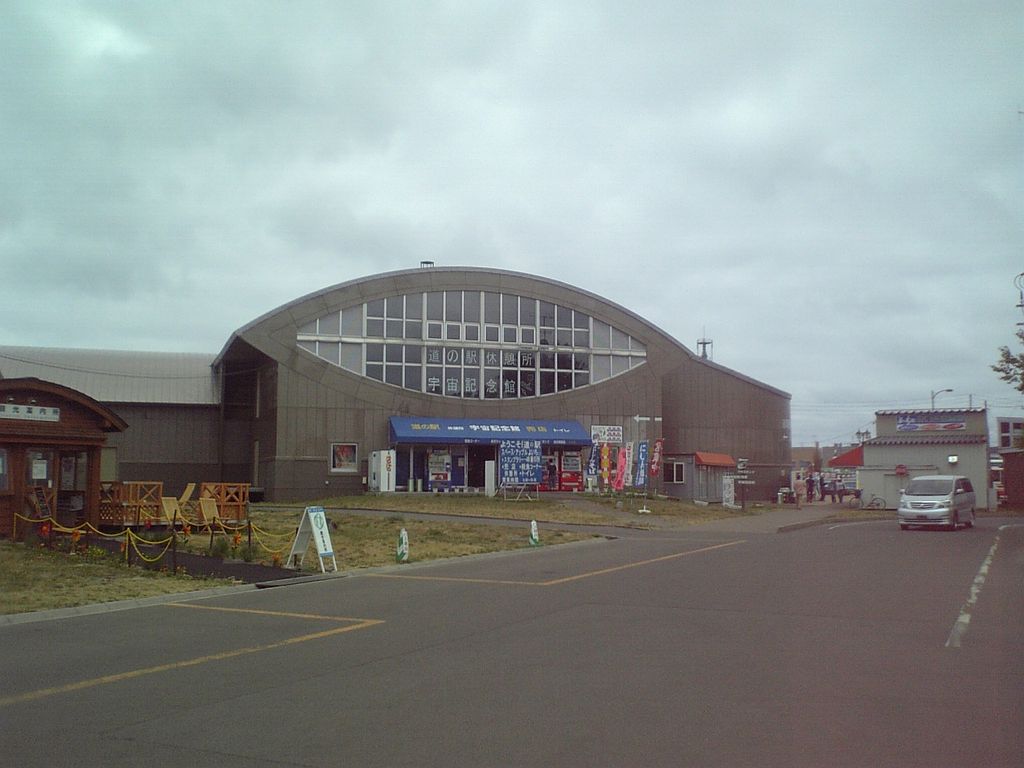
x: 208, y: 511
x: 186, y: 495
x: 172, y: 509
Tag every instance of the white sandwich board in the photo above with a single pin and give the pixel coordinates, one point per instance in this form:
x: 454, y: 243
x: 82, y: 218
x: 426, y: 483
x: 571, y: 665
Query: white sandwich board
x: 312, y: 526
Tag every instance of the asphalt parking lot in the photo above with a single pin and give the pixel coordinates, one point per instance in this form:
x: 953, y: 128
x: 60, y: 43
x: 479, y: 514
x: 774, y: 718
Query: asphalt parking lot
x: 828, y: 645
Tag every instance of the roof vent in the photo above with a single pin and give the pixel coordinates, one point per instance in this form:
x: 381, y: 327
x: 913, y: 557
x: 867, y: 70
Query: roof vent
x: 426, y: 264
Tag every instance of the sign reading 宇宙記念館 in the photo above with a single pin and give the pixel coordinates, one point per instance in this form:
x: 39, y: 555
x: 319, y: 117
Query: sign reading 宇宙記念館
x: 519, y: 462
x: 606, y: 433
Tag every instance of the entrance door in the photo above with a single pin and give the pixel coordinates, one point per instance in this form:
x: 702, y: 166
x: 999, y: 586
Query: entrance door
x: 40, y: 488
x: 7, y: 492
x: 72, y: 484
x: 479, y: 455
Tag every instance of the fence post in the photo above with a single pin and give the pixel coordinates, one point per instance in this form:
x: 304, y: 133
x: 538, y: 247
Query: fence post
x: 174, y: 543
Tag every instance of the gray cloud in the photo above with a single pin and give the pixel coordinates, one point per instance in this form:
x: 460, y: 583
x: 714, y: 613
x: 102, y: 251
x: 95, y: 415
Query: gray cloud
x: 830, y: 192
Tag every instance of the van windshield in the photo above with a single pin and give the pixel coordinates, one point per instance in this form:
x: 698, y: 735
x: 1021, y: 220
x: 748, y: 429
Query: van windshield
x: 929, y: 487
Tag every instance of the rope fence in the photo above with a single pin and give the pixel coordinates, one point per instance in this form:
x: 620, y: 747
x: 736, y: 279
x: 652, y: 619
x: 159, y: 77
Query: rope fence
x: 257, y: 539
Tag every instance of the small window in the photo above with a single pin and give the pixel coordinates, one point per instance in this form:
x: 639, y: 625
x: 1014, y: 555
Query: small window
x: 352, y: 321
x: 509, y: 309
x: 394, y: 307
x: 453, y: 306
x: 471, y: 312
x: 492, y: 308
x: 330, y: 325
x: 527, y: 311
x: 435, y: 306
x: 414, y: 306
x: 413, y: 377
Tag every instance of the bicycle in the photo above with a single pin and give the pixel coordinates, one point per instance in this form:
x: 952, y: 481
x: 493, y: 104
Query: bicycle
x: 875, y: 502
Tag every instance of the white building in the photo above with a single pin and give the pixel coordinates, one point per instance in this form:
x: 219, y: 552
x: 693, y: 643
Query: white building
x: 926, y: 442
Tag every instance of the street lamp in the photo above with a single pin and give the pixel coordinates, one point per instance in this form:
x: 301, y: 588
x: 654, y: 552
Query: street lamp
x: 938, y: 392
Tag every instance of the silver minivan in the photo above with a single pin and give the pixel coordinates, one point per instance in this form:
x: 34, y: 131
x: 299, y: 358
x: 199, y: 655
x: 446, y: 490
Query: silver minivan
x: 945, y: 500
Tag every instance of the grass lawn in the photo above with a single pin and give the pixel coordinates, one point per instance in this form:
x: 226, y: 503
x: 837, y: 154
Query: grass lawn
x: 36, y: 579
x: 33, y: 578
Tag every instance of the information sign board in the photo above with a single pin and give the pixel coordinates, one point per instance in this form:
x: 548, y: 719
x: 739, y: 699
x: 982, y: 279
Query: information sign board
x: 313, y: 526
x: 519, y: 463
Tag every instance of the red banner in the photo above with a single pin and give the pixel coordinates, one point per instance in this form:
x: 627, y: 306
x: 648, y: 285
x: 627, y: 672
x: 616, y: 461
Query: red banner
x: 656, y: 457
x: 620, y: 474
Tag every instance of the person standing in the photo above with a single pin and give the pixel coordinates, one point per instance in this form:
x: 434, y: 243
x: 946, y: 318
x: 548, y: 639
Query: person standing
x: 810, y: 487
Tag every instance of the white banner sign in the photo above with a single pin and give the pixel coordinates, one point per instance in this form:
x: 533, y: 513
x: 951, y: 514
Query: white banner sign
x: 606, y: 433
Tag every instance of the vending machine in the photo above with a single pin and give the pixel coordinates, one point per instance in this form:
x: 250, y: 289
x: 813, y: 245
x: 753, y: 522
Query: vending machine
x: 382, y: 471
x: 571, y: 476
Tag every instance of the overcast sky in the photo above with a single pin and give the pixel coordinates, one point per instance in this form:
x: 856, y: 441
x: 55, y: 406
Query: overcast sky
x: 830, y: 191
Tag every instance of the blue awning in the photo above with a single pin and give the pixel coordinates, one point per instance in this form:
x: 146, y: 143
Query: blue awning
x: 423, y: 430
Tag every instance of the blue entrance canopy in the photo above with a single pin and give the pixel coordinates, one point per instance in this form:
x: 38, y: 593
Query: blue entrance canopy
x: 405, y: 430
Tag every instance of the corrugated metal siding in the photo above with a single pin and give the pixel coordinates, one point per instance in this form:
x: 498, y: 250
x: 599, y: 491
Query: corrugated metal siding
x: 109, y: 376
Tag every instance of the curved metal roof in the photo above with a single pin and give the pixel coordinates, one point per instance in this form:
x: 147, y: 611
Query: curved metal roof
x: 117, y: 376
x: 457, y: 276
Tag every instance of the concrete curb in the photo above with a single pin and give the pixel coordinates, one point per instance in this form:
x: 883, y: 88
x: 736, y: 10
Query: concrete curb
x: 118, y: 605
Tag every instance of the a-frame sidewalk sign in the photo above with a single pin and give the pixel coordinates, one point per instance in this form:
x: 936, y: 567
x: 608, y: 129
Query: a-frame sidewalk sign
x: 313, y: 525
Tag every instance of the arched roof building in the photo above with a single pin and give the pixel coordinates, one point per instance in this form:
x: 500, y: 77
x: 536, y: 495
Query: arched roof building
x: 310, y: 389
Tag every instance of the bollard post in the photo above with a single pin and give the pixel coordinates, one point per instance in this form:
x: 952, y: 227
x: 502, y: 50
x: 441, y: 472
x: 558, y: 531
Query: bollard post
x: 174, y: 543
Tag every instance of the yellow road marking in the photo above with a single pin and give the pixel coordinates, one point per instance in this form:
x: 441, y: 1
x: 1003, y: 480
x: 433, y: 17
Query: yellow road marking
x: 132, y: 674
x: 638, y: 564
x: 411, y: 577
x: 563, y: 580
x: 285, y: 614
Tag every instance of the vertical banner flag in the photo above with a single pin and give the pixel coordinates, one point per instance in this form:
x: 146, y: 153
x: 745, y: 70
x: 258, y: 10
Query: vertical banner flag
x: 628, y: 477
x: 620, y: 473
x: 656, y: 457
x: 595, y: 451
x: 606, y: 462
x: 641, y: 464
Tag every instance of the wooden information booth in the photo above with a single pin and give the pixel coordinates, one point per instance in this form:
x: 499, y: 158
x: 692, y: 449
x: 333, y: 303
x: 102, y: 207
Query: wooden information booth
x: 51, y: 439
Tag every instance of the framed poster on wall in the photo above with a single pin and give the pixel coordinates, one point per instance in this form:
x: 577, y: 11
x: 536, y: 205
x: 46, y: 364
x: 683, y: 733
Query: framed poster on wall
x: 344, y: 457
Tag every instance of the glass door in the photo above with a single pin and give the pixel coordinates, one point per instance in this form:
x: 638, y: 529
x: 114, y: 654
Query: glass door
x: 40, y: 488
x: 72, y: 487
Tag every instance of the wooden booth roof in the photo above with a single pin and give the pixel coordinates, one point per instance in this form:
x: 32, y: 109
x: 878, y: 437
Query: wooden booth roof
x: 24, y: 392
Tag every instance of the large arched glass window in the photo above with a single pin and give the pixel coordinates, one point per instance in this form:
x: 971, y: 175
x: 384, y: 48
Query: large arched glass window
x: 472, y: 344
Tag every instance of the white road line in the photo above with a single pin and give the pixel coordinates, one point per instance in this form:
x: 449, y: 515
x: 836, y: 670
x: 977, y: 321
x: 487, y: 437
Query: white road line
x: 963, y: 621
